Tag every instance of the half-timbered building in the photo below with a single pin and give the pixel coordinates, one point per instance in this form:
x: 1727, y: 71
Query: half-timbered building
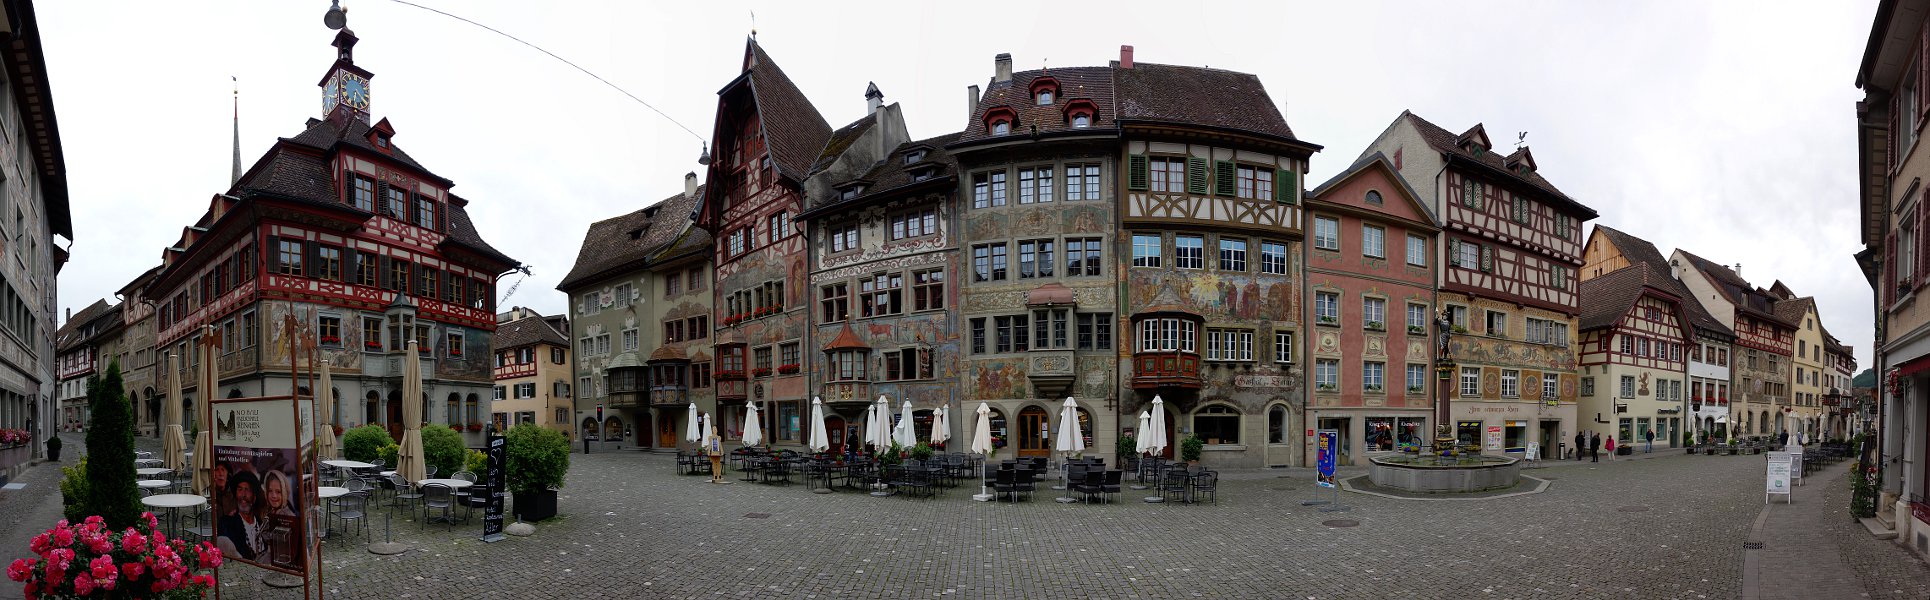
x: 1633, y: 352
x: 1760, y: 364
x: 767, y: 138
x: 341, y: 231
x: 882, y: 218
x: 532, y: 372
x: 1706, y: 382
x: 640, y: 324
x: 1509, y: 250
x: 1370, y: 269
x: 1039, y: 301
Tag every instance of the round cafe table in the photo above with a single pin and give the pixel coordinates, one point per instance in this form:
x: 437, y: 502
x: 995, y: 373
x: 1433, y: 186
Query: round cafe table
x: 153, y: 484
x: 329, y: 493
x: 173, y: 502
x: 348, y: 464
x: 454, y: 484
x: 150, y: 471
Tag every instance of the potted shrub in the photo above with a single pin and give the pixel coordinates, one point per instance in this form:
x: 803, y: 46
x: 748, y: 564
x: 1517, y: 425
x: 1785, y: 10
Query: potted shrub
x: 475, y: 461
x: 537, y: 458
x: 390, y: 454
x: 1417, y: 330
x: 1733, y: 448
x: 1189, y: 449
x: 362, y: 443
x: 921, y: 452
x: 442, y: 448
x: 53, y: 448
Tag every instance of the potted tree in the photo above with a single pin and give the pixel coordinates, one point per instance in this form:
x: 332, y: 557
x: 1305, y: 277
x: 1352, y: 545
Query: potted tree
x: 53, y: 448
x: 537, y: 459
x: 1189, y: 449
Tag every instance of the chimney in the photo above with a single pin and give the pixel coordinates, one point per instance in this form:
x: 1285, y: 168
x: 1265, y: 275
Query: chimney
x: 690, y: 184
x: 1003, y: 68
x: 1738, y: 269
x: 873, y: 99
x: 70, y: 315
x: 1125, y: 56
x: 971, y: 102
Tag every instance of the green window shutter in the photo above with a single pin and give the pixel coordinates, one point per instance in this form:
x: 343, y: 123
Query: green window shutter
x: 1487, y: 259
x: 1223, y: 175
x: 1286, y: 186
x: 1454, y: 253
x: 1196, y: 175
x: 1136, y: 178
x: 274, y: 254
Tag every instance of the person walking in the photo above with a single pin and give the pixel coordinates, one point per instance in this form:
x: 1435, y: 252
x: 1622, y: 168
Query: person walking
x: 1782, y: 439
x: 1611, y: 448
x: 1594, y: 447
x: 1581, y: 445
x: 1648, y: 441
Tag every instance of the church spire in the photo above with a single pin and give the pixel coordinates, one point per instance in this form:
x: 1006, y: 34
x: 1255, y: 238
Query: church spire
x: 235, y: 175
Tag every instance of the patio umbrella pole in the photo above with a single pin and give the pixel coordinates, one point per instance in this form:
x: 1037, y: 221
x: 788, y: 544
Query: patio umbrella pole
x: 1065, y: 470
x: 387, y: 546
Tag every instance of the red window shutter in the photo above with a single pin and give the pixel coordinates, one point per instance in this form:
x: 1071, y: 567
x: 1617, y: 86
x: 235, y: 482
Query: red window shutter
x: 1923, y: 70
x: 1888, y: 293
x: 1923, y: 243
x: 1896, y: 137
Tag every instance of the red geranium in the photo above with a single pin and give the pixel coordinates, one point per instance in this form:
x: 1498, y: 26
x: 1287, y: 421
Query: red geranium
x: 136, y: 562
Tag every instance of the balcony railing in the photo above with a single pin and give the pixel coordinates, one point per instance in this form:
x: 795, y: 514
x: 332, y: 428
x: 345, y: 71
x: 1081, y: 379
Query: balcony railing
x: 1166, y: 369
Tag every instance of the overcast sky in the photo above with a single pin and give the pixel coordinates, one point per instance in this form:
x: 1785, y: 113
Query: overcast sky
x: 1724, y: 128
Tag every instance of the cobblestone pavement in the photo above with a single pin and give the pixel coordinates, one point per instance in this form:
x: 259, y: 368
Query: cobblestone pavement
x: 1667, y: 526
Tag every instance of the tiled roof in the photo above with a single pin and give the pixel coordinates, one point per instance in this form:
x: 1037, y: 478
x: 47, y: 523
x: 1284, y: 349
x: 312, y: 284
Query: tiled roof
x: 463, y: 232
x: 1639, y: 251
x: 793, y: 129
x: 628, y: 240
x: 1737, y: 290
x: 1075, y: 83
x: 1612, y: 295
x: 892, y: 173
x: 841, y: 140
x: 323, y: 134
x: 1443, y: 141
x: 528, y: 330
x: 1197, y: 96
x: 668, y: 353
x: 67, y: 336
x: 1792, y: 311
x: 846, y: 340
x: 293, y: 175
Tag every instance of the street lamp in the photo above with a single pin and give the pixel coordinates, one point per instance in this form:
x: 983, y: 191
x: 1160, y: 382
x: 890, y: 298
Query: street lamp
x: 335, y: 18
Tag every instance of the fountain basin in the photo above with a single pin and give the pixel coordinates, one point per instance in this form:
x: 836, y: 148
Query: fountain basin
x: 1434, y: 475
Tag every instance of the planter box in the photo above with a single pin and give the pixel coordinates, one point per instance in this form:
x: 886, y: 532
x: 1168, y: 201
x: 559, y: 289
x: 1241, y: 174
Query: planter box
x: 15, y: 455
x: 535, y: 506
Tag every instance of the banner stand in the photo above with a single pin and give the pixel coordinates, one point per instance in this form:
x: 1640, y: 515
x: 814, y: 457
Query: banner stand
x: 1778, y: 483
x: 1326, y: 463
x: 264, y: 449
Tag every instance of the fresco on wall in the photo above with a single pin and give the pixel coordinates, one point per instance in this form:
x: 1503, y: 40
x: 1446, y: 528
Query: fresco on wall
x: 1219, y: 297
x: 994, y: 379
x: 1481, y: 350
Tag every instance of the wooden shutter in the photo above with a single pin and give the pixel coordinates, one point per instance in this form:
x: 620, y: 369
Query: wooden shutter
x: 274, y: 254
x: 1136, y: 178
x: 1889, y: 292
x: 1923, y: 72
x: 1286, y: 186
x: 382, y: 198
x: 442, y: 216
x: 382, y: 276
x: 1454, y: 253
x: 1487, y: 259
x: 1196, y: 175
x: 1896, y: 137
x: 1923, y: 241
x: 416, y: 271
x: 312, y: 259
x: 1224, y: 173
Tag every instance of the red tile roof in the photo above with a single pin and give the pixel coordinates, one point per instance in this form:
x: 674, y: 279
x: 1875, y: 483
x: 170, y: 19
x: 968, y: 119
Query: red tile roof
x: 1157, y: 93
x: 1639, y: 251
x: 629, y: 241
x: 846, y: 340
x: 793, y: 129
x: 1447, y: 143
x: 1093, y: 84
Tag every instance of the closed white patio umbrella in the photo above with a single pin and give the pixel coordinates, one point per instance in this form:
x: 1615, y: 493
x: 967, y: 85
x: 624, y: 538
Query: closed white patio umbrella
x: 703, y: 427
x: 941, y: 426
x: 1157, y: 435
x: 820, y: 439
x: 325, y: 415
x: 691, y: 434
x: 1145, y: 432
x: 982, y: 445
x: 904, y: 434
x: 880, y: 439
x: 204, y: 439
x: 174, y: 445
x: 1068, y: 440
x: 411, y: 462
x: 753, y: 433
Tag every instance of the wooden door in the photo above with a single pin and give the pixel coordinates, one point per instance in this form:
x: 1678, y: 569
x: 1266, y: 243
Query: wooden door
x: 1033, y: 436
x: 667, y: 431
x: 834, y: 432
x: 395, y: 419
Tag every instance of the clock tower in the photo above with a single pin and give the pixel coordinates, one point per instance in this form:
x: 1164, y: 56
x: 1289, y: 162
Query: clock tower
x: 345, y: 90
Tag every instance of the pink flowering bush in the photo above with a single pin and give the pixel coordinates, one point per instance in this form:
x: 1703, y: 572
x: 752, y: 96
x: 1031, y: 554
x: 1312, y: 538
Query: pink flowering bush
x: 14, y: 437
x: 90, y: 561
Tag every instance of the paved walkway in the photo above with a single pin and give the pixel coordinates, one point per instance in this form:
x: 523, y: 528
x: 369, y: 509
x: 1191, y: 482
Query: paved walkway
x: 1813, y: 549
x: 1666, y: 526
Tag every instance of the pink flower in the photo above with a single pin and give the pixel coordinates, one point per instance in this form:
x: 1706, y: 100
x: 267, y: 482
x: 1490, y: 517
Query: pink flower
x: 83, y: 584
x: 204, y: 580
x: 94, y: 520
x: 40, y: 543
x: 55, y: 576
x: 20, y: 570
x: 60, y: 558
x: 63, y: 537
x: 132, y: 570
x: 102, y: 567
x: 133, y: 542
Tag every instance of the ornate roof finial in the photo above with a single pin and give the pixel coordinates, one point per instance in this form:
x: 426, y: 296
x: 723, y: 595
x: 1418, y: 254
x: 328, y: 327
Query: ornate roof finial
x: 235, y: 175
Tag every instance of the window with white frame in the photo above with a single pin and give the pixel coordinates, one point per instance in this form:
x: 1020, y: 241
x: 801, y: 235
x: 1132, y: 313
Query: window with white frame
x: 1417, y: 318
x: 1510, y: 383
x: 988, y: 189
x: 1167, y: 174
x: 1416, y: 378
x: 1588, y: 386
x: 1036, y: 258
x: 1035, y: 185
x: 1082, y: 182
x: 1229, y: 345
x: 1273, y: 258
x: 1373, y: 241
x: 1470, y: 382
x: 1167, y: 335
x: 1467, y: 255
x: 1550, y: 386
x: 1497, y: 323
x: 1416, y: 250
x: 1628, y: 386
x: 1232, y: 254
x: 1326, y: 374
x: 1189, y: 251
x: 1326, y: 308
x: 1373, y: 376
x: 1373, y: 313
x: 1283, y: 347
x: 1146, y: 249
x: 1326, y: 233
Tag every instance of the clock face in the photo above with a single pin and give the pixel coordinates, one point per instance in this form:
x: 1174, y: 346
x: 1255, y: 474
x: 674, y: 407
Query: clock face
x: 355, y: 91
x: 331, y: 95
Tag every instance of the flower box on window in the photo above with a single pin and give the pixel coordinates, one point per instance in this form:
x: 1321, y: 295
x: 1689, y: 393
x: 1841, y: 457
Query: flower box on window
x: 1415, y: 389
x: 1327, y: 320
x: 1371, y: 388
x: 474, y: 427
x: 761, y: 371
x: 455, y: 350
x: 730, y: 374
x: 331, y: 339
x: 424, y: 350
x: 1376, y: 325
x: 374, y: 346
x: 1326, y: 387
x: 790, y: 369
x: 1417, y: 330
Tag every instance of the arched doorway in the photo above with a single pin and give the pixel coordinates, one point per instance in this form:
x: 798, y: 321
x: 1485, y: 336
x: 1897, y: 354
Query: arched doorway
x: 613, y: 429
x: 589, y: 428
x: 395, y: 415
x: 1034, y: 432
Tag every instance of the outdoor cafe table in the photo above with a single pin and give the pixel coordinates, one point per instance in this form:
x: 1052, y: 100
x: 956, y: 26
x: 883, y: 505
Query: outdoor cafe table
x: 150, y: 471
x: 329, y: 493
x: 454, y: 484
x: 348, y: 464
x: 147, y: 462
x: 173, y: 502
x: 153, y: 484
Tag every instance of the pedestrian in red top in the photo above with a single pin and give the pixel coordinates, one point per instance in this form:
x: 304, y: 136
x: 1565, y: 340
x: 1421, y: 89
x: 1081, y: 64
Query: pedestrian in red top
x: 1611, y: 447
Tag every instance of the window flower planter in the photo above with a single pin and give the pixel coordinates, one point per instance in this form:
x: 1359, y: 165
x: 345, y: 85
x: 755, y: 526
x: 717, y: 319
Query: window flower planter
x: 1372, y: 388
x: 474, y: 427
x: 1417, y: 330
x: 761, y: 371
x: 790, y: 369
x: 1376, y: 326
x: 1324, y: 320
x: 331, y: 339
x: 1415, y: 390
x: 1326, y: 388
x: 372, y: 346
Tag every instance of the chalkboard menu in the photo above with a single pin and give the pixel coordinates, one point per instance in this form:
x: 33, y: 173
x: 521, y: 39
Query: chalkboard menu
x: 493, y: 509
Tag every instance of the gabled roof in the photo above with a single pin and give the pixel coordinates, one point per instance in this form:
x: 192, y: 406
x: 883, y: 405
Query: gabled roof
x: 841, y: 140
x: 68, y: 336
x: 1639, y: 251
x: 326, y: 134
x: 1793, y: 310
x: 1447, y: 143
x: 1737, y: 290
x: 526, y: 331
x: 893, y: 174
x: 1612, y: 295
x: 846, y: 340
x: 1092, y: 84
x: 1380, y: 161
x: 630, y: 240
x: 794, y: 131
x: 1184, y: 95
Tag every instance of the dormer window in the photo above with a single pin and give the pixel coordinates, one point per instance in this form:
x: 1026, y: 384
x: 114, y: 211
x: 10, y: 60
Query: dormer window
x: 1081, y: 120
x: 999, y: 120
x: 1080, y: 112
x: 1045, y: 97
x: 1045, y: 89
x: 921, y: 174
x: 851, y: 193
x: 382, y: 141
x: 914, y: 156
x: 1001, y: 127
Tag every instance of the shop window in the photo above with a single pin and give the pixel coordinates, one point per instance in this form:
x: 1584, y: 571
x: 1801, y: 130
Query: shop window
x: 1217, y: 424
